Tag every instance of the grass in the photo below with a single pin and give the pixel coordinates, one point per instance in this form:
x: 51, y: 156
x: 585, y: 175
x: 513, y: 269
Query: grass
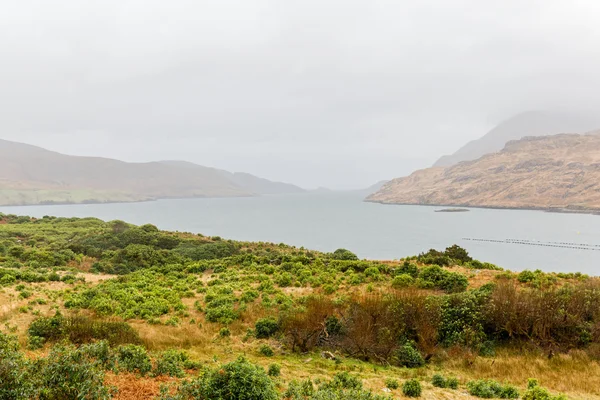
x: 198, y: 275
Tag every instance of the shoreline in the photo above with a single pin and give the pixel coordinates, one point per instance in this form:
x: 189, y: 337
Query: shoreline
x: 82, y: 203
x: 545, y: 209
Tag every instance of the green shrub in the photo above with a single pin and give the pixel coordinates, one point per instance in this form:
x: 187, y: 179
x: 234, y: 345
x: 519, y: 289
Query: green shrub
x: 412, y: 388
x: 438, y: 381
x: 134, y: 358
x: 15, y: 380
x: 171, y: 363
x: 343, y: 254
x: 392, y: 384
x: 47, y: 328
x: 224, y: 332
x: 452, y: 383
x: 35, y: 342
x: 266, y: 350
x: 266, y: 327
x: 274, y: 370
x: 536, y: 392
x: 408, y: 356
x: 67, y: 373
x: 402, y: 280
x: 343, y: 380
x: 101, y: 352
x: 489, y: 389
x: 408, y: 268
x: 238, y: 380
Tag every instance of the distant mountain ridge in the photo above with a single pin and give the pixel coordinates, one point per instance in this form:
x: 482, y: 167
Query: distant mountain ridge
x: 557, y: 172
x: 247, y: 181
x: 532, y: 123
x: 33, y: 175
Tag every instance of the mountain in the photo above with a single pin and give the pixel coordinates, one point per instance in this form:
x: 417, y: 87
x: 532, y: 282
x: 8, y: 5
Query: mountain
x: 376, y: 186
x: 252, y: 183
x: 546, y: 172
x: 32, y: 175
x: 532, y: 123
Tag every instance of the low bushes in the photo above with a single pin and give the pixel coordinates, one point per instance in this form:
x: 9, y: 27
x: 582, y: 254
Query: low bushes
x: 133, y: 358
x: 80, y: 329
x: 66, y: 373
x: 439, y: 381
x: 489, y: 389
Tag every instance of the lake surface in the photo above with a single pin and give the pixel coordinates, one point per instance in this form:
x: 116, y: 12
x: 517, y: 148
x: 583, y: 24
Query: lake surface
x: 327, y: 221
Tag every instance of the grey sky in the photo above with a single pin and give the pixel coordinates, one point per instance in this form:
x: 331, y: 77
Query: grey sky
x: 318, y: 93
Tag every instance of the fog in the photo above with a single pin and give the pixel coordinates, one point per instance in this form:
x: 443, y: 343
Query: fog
x: 316, y: 93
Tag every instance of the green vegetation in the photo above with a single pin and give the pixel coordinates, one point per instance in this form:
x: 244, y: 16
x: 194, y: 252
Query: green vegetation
x: 112, y: 298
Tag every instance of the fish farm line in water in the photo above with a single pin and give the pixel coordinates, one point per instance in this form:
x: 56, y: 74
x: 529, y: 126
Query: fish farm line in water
x: 566, y: 245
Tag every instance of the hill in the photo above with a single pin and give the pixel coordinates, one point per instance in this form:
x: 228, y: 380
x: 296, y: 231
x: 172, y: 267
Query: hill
x: 33, y: 175
x: 546, y: 172
x: 112, y: 310
x: 252, y: 183
x: 533, y: 123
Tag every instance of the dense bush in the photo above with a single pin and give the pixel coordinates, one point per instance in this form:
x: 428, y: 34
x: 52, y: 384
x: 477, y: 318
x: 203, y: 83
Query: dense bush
x: 80, y: 329
x: 436, y: 277
x: 305, y: 390
x: 392, y: 384
x: 133, y: 358
x: 536, y: 392
x: 489, y: 389
x: 67, y: 373
x: 15, y: 378
x: 408, y: 356
x: 412, y: 388
x: 266, y: 327
x: 266, y: 350
x: 274, y: 370
x: 238, y: 380
x: 171, y: 363
x: 343, y: 254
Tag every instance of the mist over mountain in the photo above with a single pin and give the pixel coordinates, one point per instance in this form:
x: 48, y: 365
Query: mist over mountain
x: 247, y: 181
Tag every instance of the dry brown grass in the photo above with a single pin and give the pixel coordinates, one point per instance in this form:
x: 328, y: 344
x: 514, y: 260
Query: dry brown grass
x: 133, y: 387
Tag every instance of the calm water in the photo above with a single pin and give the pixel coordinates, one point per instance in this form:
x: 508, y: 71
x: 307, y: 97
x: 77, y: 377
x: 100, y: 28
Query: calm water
x: 333, y: 220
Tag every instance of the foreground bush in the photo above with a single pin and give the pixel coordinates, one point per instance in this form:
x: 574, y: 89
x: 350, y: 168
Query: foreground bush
x: 238, y: 380
x: 15, y: 379
x: 69, y: 373
x: 332, y: 390
x: 536, y: 392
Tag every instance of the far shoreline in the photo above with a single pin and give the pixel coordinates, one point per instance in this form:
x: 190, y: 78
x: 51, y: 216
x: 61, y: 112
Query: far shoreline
x: 556, y: 210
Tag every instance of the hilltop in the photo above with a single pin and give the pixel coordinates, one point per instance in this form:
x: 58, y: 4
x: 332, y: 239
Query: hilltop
x: 532, y: 123
x: 33, y: 175
x: 558, y: 172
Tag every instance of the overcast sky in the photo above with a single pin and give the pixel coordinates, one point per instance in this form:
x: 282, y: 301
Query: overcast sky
x: 319, y: 93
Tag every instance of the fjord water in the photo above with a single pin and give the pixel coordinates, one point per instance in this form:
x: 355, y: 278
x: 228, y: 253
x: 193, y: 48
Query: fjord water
x: 327, y: 221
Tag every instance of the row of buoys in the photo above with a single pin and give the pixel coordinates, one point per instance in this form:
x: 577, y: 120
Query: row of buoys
x: 565, y: 243
x: 575, y: 246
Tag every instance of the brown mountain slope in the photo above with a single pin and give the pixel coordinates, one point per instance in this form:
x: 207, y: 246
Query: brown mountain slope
x: 548, y: 172
x: 31, y: 175
x: 531, y: 123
